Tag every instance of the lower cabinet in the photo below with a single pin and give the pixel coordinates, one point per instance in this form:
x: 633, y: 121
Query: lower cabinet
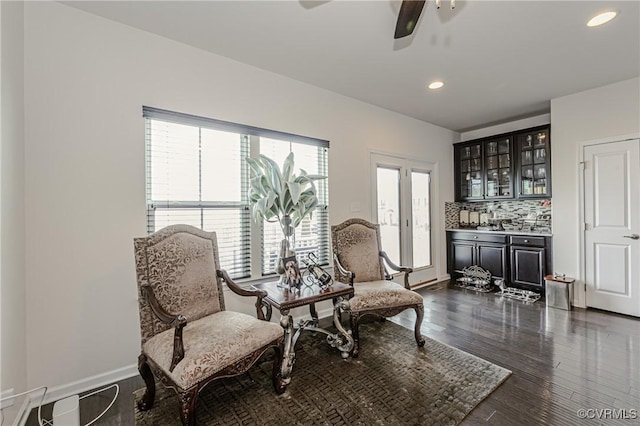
x: 530, y: 260
x: 493, y: 258
x: 522, y: 261
x: 489, y: 251
x: 463, y: 254
x: 527, y: 265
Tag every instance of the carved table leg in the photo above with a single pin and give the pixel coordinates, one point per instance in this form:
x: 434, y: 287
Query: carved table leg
x: 344, y: 343
x: 314, y: 314
x: 355, y: 320
x: 279, y: 384
x: 289, y: 355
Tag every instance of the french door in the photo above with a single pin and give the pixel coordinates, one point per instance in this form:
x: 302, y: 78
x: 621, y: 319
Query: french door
x: 402, y: 206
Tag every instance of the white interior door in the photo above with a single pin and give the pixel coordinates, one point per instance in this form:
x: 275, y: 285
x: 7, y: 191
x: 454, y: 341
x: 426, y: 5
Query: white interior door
x: 612, y: 226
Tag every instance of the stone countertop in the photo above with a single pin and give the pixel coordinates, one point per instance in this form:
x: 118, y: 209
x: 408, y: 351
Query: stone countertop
x: 515, y: 232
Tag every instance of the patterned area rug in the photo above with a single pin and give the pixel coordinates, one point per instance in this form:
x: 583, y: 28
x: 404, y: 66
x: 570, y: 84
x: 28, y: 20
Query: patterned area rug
x: 392, y: 382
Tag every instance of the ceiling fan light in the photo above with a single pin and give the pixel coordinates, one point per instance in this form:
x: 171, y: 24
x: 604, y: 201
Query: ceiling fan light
x: 436, y: 85
x: 601, y: 18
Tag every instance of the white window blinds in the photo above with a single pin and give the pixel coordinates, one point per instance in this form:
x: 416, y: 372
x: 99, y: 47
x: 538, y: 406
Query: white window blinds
x: 197, y: 174
x: 312, y: 235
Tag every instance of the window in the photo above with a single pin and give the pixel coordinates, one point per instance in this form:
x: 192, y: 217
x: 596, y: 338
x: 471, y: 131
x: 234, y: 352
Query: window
x: 197, y: 174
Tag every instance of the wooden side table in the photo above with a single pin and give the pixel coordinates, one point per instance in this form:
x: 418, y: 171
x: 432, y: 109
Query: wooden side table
x: 284, y: 300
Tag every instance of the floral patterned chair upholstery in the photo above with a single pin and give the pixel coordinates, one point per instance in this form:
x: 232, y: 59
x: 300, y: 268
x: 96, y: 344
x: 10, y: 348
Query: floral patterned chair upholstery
x: 358, y: 260
x: 188, y: 338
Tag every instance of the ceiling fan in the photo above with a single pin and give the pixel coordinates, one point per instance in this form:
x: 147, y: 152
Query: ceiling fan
x: 410, y: 11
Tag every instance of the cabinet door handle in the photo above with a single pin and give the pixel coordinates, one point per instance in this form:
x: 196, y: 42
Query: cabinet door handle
x: 526, y: 241
x: 475, y: 237
x: 632, y: 236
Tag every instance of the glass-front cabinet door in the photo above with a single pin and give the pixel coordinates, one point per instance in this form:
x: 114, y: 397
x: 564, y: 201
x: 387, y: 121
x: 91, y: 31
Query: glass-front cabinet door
x: 498, y: 168
x: 534, y: 168
x: 469, y: 171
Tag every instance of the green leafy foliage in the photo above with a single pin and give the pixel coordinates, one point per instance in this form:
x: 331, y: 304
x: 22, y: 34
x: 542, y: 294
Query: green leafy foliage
x: 276, y: 193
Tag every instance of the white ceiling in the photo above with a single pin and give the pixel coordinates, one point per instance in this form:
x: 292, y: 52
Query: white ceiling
x: 500, y: 60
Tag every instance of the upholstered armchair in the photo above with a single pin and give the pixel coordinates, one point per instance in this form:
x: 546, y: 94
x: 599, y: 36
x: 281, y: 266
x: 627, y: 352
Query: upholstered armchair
x: 188, y: 338
x: 359, y: 261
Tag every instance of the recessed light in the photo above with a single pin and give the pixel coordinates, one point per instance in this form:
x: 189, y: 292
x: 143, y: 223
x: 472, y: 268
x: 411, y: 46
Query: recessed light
x: 601, y: 18
x: 436, y: 85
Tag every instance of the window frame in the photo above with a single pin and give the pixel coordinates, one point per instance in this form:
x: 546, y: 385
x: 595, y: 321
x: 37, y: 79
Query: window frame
x: 255, y: 241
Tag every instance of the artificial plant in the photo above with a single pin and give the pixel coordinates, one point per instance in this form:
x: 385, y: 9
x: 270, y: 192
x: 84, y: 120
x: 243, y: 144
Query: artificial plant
x: 281, y: 194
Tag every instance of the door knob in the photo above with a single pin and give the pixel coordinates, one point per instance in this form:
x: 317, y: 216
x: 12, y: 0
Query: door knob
x: 632, y: 236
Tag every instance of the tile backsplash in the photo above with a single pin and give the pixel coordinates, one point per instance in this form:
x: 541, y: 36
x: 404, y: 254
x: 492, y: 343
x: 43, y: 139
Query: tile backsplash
x: 515, y: 210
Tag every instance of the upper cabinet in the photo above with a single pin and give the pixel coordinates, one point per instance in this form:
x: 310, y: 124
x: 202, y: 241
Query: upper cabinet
x: 532, y: 149
x: 469, y: 171
x: 513, y: 165
x: 498, y: 174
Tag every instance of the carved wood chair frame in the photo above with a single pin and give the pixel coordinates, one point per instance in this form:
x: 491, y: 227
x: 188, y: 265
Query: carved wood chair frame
x: 346, y: 276
x: 150, y: 370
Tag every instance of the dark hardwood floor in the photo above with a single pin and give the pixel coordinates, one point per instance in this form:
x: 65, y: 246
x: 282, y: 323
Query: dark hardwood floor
x: 562, y: 361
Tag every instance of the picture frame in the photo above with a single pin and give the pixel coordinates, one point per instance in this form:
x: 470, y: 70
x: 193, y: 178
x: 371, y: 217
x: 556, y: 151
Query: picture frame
x: 293, y: 278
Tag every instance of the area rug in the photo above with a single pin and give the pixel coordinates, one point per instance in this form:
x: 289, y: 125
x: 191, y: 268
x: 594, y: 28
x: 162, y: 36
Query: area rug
x: 392, y: 382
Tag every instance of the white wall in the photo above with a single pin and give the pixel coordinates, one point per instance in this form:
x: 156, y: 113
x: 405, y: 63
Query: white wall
x: 511, y: 126
x: 86, y: 80
x: 13, y: 364
x: 598, y: 114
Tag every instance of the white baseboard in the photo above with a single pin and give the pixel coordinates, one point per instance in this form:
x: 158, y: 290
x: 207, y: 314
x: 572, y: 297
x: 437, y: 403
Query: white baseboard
x: 23, y: 414
x: 431, y: 283
x: 63, y: 391
x: 322, y: 313
x: 5, y: 399
x: 19, y: 415
x: 74, y: 388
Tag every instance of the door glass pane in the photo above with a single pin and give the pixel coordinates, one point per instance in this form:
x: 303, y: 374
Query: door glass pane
x: 388, y: 183
x: 421, y: 217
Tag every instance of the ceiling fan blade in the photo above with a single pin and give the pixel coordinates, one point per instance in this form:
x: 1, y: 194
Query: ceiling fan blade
x: 408, y: 17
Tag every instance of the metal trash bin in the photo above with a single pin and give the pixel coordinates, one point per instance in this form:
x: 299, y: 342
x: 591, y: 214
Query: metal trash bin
x: 559, y: 291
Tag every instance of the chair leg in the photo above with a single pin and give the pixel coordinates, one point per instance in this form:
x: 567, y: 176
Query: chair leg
x: 419, y: 316
x: 355, y: 320
x: 279, y: 384
x: 150, y: 394
x: 188, y: 400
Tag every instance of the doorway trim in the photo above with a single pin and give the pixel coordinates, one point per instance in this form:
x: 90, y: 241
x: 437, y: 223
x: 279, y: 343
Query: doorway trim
x: 437, y: 251
x: 580, y: 294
